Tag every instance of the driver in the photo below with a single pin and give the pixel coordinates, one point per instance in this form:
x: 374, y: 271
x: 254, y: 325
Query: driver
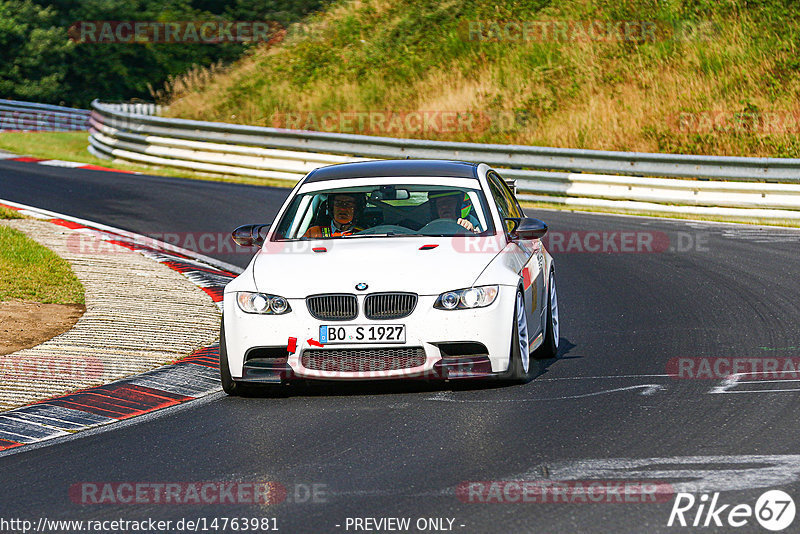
x: 345, y: 209
x: 450, y: 205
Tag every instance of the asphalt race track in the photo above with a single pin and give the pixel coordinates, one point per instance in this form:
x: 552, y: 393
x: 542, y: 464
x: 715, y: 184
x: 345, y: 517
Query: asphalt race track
x: 606, y: 409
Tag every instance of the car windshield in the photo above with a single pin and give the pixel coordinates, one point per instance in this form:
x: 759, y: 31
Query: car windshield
x: 386, y: 211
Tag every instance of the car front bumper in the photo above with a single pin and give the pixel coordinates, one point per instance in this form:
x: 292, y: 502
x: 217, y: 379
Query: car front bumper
x: 429, y: 329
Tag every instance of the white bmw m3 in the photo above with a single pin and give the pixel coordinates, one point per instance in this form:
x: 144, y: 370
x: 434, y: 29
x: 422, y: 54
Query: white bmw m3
x: 391, y: 270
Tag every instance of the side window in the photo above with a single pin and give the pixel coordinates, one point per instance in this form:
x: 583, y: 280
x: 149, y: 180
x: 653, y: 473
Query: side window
x: 511, y: 201
x: 506, y: 204
x: 497, y: 196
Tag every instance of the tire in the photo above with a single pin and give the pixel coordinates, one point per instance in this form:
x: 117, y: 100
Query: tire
x: 519, y: 363
x: 229, y: 385
x: 549, y: 347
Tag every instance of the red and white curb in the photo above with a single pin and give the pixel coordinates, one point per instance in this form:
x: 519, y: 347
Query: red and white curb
x: 190, y: 378
x: 60, y: 163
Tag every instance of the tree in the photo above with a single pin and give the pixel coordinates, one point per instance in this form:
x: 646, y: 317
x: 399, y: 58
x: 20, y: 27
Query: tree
x: 32, y: 65
x: 40, y: 63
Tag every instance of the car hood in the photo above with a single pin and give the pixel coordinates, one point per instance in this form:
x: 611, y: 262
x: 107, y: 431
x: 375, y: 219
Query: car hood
x: 295, y: 270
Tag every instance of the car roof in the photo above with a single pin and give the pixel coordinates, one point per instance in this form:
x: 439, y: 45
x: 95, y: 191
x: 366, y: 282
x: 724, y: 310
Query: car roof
x: 394, y: 167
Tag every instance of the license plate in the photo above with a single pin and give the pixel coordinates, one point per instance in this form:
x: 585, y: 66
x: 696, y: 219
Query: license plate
x: 362, y: 333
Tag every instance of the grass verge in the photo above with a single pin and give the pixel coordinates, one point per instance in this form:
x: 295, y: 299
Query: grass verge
x: 6, y: 213
x: 32, y: 272
x: 719, y: 77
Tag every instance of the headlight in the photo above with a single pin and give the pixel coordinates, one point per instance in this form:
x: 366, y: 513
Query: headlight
x: 262, y: 303
x: 464, y: 299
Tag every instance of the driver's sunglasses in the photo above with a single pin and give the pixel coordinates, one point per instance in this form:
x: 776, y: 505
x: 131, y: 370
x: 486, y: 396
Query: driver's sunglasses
x: 346, y: 204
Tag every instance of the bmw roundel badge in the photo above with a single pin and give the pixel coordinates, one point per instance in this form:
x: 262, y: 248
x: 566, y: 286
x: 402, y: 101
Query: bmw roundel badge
x: 361, y: 286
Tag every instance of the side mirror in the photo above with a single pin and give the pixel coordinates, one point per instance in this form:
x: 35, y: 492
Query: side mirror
x: 527, y: 228
x: 250, y: 235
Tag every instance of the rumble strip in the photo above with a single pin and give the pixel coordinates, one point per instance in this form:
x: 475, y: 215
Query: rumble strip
x: 189, y: 378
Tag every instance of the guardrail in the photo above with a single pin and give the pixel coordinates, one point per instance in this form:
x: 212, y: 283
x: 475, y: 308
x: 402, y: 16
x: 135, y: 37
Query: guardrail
x: 29, y: 116
x: 136, y: 108
x: 749, y: 188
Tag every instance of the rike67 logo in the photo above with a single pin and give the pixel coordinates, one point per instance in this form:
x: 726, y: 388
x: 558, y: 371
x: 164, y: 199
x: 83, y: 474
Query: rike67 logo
x: 774, y: 510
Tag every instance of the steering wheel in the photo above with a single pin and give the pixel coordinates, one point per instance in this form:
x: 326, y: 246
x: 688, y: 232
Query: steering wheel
x: 443, y: 226
x: 386, y: 229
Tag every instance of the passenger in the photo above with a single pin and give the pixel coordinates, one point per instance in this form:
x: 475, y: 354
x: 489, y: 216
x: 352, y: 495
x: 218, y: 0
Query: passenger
x: 344, y: 209
x: 454, y: 205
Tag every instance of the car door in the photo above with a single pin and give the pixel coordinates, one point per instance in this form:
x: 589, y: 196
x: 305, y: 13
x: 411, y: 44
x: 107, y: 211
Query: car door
x: 535, y: 263
x: 531, y: 259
